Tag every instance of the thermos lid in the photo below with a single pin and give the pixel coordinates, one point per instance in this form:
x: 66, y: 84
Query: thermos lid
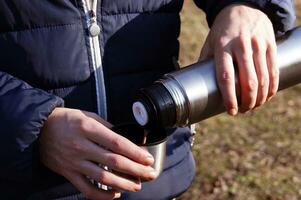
x: 140, y: 113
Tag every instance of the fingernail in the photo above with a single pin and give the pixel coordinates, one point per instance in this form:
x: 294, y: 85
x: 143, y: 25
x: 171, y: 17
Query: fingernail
x: 146, y: 153
x: 233, y: 111
x: 137, y: 188
x: 149, y: 160
x: 153, y: 174
x: 117, y: 195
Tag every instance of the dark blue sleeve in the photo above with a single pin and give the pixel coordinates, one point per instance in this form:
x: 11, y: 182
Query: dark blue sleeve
x: 23, y: 110
x: 280, y: 12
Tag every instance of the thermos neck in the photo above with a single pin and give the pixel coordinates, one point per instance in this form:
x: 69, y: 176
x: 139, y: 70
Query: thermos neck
x: 179, y: 98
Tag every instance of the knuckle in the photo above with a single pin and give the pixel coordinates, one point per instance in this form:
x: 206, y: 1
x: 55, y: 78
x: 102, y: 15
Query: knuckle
x: 117, y: 143
x: 263, y: 82
x: 84, y: 125
x: 275, y: 73
x: 251, y: 85
x: 225, y: 77
x: 115, y: 162
x: 77, y: 146
x: 245, y: 59
x: 222, y: 41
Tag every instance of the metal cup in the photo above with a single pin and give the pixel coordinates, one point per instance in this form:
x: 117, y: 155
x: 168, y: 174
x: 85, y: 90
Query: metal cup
x: 155, y: 142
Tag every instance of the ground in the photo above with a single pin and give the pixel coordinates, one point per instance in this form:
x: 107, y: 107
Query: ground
x: 255, y: 156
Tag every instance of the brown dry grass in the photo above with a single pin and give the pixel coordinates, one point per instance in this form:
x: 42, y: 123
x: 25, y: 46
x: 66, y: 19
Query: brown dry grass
x: 252, y: 156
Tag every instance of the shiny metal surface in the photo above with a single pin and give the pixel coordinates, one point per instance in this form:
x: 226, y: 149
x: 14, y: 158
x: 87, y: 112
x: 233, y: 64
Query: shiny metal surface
x: 154, y: 141
x: 158, y: 151
x: 197, y: 83
x: 289, y: 59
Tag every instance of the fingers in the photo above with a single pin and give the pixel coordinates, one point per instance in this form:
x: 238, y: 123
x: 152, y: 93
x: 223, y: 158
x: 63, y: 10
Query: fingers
x: 273, y: 69
x: 259, y: 57
x: 251, y: 42
x: 226, y: 80
x: 258, y: 71
x: 253, y: 74
x: 110, y: 179
x: 119, y: 144
x: 89, y: 190
x: 120, y: 163
x: 247, y: 74
x: 114, y: 151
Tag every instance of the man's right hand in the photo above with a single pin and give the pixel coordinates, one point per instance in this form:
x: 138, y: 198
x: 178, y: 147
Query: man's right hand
x: 74, y: 142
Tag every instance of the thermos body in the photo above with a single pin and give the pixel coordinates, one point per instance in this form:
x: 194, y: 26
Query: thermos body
x: 191, y: 94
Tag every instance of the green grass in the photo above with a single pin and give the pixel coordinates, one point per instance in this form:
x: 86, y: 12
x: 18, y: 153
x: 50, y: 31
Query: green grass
x: 255, y: 156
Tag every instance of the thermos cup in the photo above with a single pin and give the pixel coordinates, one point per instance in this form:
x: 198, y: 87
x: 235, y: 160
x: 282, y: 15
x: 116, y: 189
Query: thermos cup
x: 154, y: 141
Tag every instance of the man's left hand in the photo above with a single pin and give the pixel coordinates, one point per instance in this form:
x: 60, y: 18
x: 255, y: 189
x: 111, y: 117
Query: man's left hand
x: 243, y: 35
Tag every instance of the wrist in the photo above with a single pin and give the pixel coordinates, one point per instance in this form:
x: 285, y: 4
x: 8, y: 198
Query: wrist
x: 216, y: 9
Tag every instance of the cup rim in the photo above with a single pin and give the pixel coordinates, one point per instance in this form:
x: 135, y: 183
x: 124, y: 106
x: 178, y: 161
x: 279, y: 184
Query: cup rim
x: 133, y: 124
x: 153, y: 143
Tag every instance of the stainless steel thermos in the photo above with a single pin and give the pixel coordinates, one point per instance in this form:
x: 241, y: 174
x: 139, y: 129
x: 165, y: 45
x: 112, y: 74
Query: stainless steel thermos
x: 191, y: 94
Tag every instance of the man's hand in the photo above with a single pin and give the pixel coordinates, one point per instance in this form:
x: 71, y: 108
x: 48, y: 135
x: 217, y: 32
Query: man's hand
x: 244, y: 35
x: 74, y: 142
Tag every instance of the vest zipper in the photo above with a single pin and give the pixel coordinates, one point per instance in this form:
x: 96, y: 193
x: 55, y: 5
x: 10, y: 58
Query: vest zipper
x: 94, y: 32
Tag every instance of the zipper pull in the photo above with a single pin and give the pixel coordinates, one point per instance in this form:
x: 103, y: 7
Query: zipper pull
x: 94, y: 28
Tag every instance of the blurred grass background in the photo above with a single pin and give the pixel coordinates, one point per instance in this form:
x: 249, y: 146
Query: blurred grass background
x: 255, y: 156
